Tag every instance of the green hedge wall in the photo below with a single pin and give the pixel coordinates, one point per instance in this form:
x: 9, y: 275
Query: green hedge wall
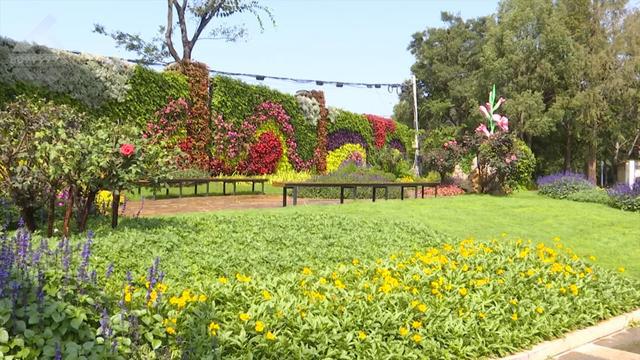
x: 236, y: 100
x: 149, y: 91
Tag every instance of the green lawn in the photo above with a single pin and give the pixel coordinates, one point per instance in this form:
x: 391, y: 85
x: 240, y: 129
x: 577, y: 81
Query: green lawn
x: 304, y: 234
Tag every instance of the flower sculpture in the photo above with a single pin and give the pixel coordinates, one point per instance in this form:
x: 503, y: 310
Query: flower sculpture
x: 494, y: 120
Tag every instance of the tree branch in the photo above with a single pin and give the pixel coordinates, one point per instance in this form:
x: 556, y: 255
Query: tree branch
x: 186, y: 45
x: 167, y: 36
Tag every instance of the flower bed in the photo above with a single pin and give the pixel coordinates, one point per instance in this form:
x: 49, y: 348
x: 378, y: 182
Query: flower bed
x: 456, y: 300
x: 444, y: 190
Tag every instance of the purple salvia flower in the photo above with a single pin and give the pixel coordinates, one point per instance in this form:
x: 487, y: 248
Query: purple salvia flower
x: 58, y: 355
x: 105, y: 329
x: 109, y: 270
x: 94, y: 277
x: 40, y: 289
x: 86, y: 253
x: 124, y: 207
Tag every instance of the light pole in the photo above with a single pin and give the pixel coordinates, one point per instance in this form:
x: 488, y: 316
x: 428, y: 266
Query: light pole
x: 416, y: 167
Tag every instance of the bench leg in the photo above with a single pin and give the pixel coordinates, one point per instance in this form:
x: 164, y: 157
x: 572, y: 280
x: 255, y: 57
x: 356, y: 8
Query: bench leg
x: 401, y: 192
x: 415, y: 192
x: 224, y: 188
x: 234, y: 188
x: 374, y: 194
x: 166, y: 191
x: 207, y: 188
x: 139, y: 190
x: 195, y: 188
x: 180, y: 184
x: 262, y: 188
x: 284, y: 196
x: 154, y: 193
x: 295, y: 195
x: 341, y: 195
x: 253, y: 186
x: 436, y: 192
x: 386, y: 193
x: 422, y: 190
x: 355, y: 196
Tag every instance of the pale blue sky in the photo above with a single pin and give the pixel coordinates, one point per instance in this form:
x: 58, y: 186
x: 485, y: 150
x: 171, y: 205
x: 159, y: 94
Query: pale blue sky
x: 344, y: 40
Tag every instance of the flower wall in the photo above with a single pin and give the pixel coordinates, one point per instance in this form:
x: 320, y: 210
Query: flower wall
x: 217, y: 123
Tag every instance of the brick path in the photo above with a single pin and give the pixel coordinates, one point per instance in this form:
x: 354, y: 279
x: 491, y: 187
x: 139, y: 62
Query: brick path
x: 212, y: 203
x: 623, y: 345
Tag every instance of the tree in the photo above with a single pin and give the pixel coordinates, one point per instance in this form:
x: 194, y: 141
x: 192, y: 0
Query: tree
x: 447, y: 70
x: 198, y: 13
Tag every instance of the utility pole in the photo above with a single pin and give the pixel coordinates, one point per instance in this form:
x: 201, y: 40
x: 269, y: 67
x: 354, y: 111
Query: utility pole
x: 416, y: 167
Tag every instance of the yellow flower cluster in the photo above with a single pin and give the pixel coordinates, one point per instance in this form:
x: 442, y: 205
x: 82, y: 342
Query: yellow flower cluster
x: 185, y: 298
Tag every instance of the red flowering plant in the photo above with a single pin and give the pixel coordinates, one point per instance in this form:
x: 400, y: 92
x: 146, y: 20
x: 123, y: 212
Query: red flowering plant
x: 168, y: 126
x: 264, y: 155
x: 127, y: 150
x: 382, y: 127
x: 269, y: 111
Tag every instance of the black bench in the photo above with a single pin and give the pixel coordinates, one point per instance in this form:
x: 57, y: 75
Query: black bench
x: 198, y: 181
x: 353, y: 186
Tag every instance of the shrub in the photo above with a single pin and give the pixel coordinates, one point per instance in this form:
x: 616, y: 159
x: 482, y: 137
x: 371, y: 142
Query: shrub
x: 443, y: 159
x: 390, y: 160
x: 561, y: 185
x: 592, y: 195
x: 525, y: 166
x: 626, y: 197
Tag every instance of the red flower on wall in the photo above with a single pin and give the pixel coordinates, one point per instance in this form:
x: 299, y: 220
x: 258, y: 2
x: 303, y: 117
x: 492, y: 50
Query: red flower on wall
x: 381, y: 128
x: 127, y: 149
x: 264, y: 154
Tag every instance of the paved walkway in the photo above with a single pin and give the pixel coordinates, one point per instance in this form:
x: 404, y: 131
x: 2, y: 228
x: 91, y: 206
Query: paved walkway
x: 212, y: 203
x: 623, y: 345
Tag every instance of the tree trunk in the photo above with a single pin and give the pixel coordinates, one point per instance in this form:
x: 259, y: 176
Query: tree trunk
x: 567, y: 151
x: 84, y: 216
x: 115, y: 204
x: 51, y: 214
x: 592, y: 174
x: 69, y: 211
x: 29, y: 218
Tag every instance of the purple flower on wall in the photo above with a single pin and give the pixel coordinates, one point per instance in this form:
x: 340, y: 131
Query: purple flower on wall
x: 341, y: 137
x: 398, y: 145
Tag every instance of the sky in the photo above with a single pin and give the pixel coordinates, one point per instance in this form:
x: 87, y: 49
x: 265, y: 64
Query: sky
x: 341, y: 40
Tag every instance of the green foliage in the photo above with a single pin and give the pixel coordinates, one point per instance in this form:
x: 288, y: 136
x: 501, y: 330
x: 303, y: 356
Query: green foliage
x: 148, y: 92
x: 345, y: 120
x: 525, y: 166
x: 625, y: 203
x: 350, y: 172
x: 236, y: 101
x: 592, y: 195
x: 565, y: 186
x: 405, y: 134
x: 390, y: 161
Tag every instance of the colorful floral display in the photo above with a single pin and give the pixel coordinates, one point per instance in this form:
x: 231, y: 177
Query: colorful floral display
x: 264, y: 155
x: 494, y: 120
x: 382, y: 127
x: 349, y: 151
x: 342, y: 137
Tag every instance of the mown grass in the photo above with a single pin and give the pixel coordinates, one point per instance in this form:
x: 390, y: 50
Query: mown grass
x: 304, y: 234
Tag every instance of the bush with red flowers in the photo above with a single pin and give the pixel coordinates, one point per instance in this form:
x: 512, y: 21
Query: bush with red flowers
x: 264, y: 155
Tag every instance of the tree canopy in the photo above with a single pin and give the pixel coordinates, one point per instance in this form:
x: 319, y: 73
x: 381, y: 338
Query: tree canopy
x: 570, y: 70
